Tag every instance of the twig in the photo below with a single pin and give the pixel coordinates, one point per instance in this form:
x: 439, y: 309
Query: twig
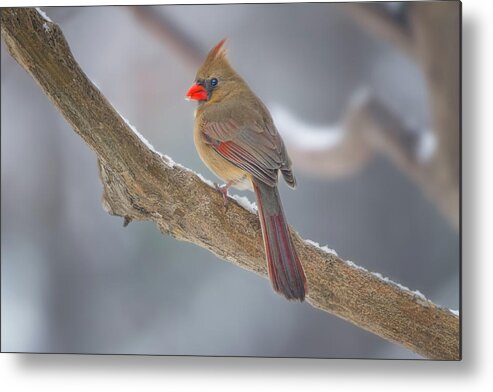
x: 436, y: 31
x: 140, y: 183
x: 384, y: 131
x: 373, y: 17
x: 164, y: 28
x: 433, y: 41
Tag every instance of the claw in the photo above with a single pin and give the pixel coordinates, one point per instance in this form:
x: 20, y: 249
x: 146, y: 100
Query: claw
x: 223, y: 189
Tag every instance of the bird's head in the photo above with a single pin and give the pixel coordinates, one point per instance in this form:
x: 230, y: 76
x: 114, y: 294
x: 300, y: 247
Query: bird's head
x: 215, y: 78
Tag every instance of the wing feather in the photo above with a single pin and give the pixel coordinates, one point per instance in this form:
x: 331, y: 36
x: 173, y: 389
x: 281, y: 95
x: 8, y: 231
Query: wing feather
x: 246, y: 148
x: 254, y: 146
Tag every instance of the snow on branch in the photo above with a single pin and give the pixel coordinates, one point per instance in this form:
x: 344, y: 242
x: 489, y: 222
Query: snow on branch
x: 142, y: 184
x: 304, y: 136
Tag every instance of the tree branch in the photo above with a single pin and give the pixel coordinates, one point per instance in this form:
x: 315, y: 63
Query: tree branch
x: 436, y: 31
x: 373, y: 17
x: 141, y: 184
x: 163, y: 28
x: 433, y: 42
x: 386, y: 133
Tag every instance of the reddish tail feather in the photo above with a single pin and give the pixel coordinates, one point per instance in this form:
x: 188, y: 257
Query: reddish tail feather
x: 285, y: 270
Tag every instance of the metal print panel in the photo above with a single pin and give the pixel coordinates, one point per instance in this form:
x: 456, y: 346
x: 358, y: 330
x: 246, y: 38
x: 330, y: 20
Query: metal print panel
x: 303, y: 202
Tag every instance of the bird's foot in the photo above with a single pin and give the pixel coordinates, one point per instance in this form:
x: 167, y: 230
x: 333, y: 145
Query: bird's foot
x: 223, y: 190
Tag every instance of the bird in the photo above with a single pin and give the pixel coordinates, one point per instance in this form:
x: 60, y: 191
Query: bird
x: 236, y: 138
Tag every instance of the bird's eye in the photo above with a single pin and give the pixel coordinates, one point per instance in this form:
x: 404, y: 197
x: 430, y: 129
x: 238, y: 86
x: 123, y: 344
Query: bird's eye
x: 214, y: 82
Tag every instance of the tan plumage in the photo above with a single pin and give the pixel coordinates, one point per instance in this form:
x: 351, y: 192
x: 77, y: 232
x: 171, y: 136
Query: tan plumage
x: 236, y: 138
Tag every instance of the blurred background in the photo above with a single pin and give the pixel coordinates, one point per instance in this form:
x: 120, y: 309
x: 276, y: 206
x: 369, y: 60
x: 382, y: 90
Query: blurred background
x: 367, y: 99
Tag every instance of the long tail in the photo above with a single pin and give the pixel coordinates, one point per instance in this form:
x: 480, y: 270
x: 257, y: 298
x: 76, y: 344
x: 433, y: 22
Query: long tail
x: 285, y: 270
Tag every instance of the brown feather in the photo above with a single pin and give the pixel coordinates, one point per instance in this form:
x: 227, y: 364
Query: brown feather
x: 237, y: 139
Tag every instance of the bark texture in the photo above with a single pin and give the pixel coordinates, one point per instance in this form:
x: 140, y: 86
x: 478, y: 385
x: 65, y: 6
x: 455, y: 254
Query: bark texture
x: 141, y: 184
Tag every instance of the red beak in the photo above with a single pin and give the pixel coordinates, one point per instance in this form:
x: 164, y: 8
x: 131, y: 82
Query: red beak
x: 197, y: 93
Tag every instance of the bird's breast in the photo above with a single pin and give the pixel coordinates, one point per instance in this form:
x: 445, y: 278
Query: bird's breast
x: 220, y: 166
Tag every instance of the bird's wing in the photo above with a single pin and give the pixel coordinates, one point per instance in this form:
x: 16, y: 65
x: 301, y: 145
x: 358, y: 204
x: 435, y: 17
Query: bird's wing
x: 255, y: 148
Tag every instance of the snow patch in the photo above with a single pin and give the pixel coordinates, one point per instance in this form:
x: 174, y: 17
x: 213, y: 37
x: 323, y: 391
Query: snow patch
x: 204, y: 180
x: 141, y: 137
x: 416, y: 293
x: 354, y: 265
x: 305, y: 136
x: 245, y: 203
x: 170, y: 162
x: 166, y: 159
x: 97, y: 86
x: 325, y: 248
x: 43, y: 15
x: 456, y: 312
x: 426, y: 146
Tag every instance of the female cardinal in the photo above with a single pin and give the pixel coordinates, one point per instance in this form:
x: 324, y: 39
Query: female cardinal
x: 236, y: 138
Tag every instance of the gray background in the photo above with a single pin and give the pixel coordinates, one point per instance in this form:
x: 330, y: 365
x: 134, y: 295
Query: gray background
x: 74, y: 280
